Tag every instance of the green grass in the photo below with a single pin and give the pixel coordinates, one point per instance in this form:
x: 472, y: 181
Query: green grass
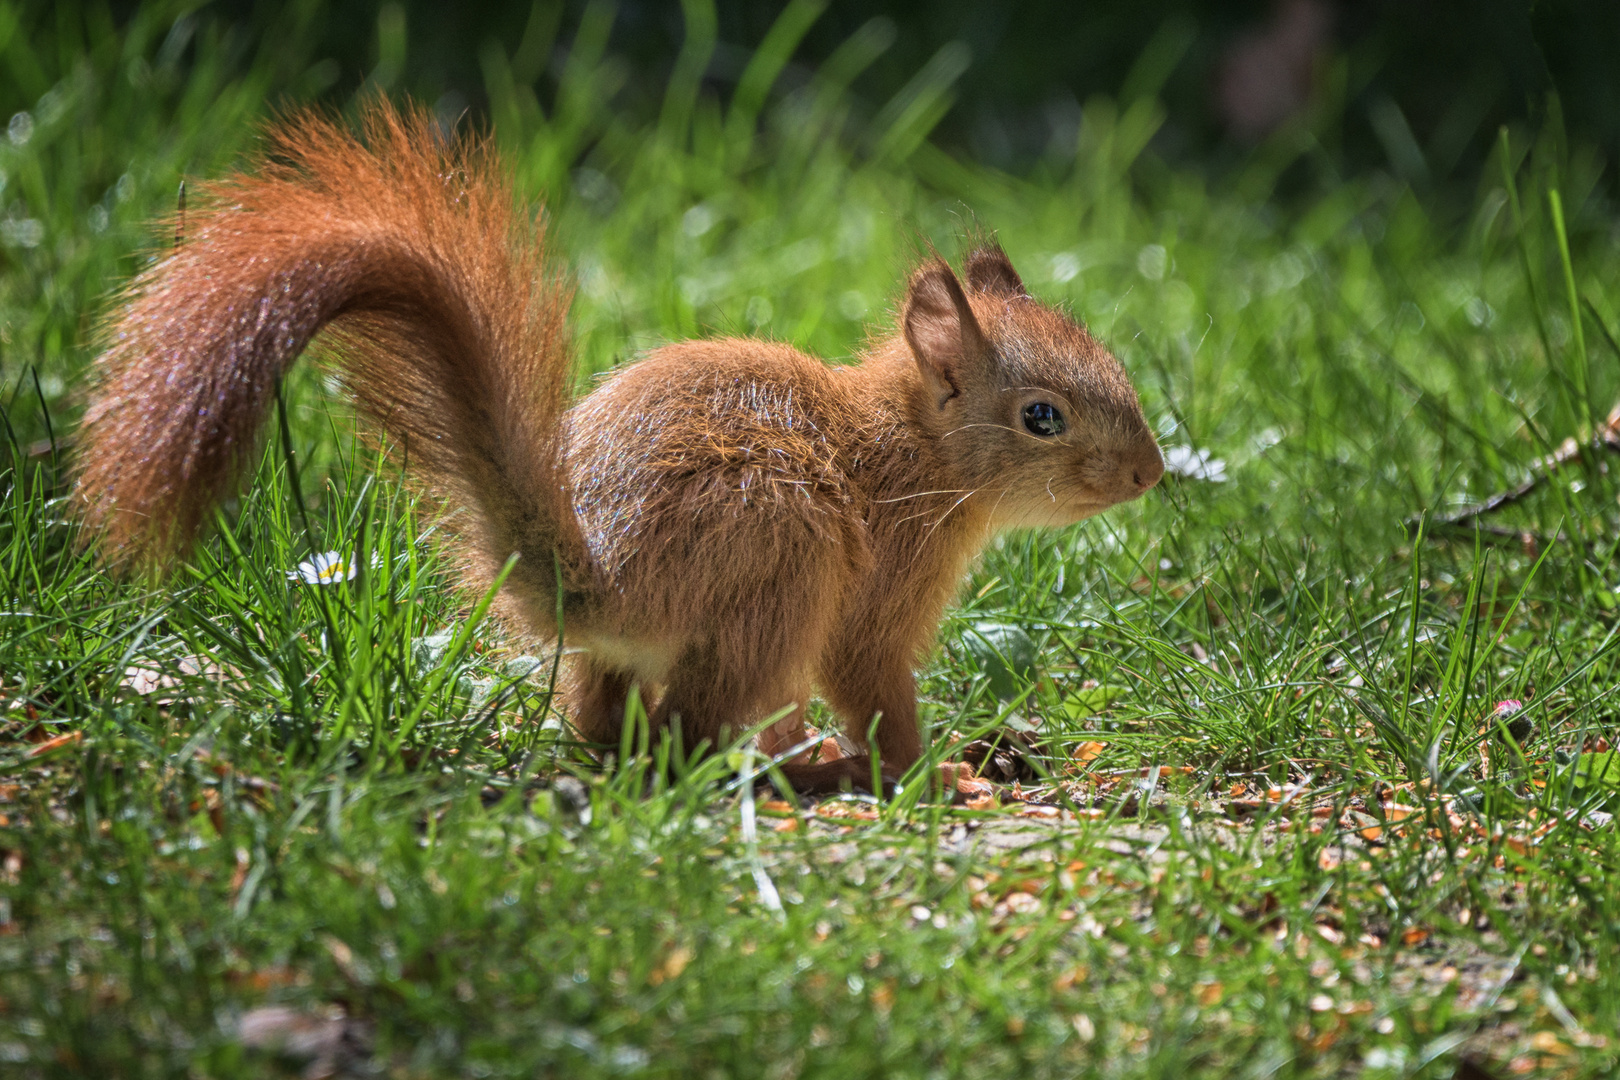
x: 354, y: 799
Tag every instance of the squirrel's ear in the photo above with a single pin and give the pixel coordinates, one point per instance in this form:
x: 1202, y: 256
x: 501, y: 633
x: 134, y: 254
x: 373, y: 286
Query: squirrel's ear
x: 990, y: 271
x: 941, y: 330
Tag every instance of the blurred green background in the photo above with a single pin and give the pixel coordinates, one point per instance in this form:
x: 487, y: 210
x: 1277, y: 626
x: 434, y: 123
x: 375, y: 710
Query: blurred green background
x: 1280, y: 108
x: 1418, y: 89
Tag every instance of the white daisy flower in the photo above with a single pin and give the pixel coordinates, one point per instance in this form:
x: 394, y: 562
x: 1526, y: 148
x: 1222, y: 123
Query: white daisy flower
x: 1194, y: 464
x: 324, y: 569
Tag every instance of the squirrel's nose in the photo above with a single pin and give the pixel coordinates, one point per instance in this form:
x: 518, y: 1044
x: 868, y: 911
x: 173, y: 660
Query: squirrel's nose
x: 1147, y: 471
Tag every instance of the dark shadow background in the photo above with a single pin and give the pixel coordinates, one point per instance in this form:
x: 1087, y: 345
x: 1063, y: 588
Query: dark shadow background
x: 1416, y: 88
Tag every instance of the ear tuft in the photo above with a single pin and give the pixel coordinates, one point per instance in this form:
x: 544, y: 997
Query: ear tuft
x: 940, y: 328
x: 989, y: 271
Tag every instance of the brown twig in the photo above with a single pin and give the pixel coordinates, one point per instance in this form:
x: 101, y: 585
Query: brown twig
x: 1606, y: 438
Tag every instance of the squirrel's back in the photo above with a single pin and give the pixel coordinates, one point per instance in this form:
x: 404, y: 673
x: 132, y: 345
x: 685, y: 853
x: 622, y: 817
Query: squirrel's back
x: 709, y: 462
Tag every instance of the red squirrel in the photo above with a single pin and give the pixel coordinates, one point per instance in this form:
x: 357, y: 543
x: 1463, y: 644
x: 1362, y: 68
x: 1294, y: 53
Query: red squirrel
x: 729, y: 522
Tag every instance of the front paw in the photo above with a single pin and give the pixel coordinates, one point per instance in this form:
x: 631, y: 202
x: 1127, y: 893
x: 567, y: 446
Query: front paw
x: 831, y: 777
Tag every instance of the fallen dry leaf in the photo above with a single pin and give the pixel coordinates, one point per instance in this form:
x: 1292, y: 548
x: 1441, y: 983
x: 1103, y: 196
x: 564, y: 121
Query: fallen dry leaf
x: 239, y: 875
x: 143, y: 680
x: 51, y: 745
x: 673, y: 963
x: 341, y: 955
x: 331, y: 1042
x: 264, y: 979
x: 827, y: 750
x: 1545, y: 1042
x: 972, y: 786
x: 841, y: 809
x: 1071, y: 978
x: 1394, y: 811
x: 986, y: 800
x: 1004, y: 758
x: 1022, y: 903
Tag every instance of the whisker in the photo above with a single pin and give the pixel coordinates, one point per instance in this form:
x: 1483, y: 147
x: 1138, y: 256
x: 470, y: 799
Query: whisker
x: 998, y: 427
x: 920, y: 494
x: 1016, y: 431
x: 964, y: 427
x: 999, y: 499
x: 935, y: 526
x: 913, y: 517
x: 929, y: 535
x: 925, y: 511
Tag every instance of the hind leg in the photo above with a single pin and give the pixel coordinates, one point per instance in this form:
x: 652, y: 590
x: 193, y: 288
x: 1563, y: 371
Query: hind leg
x: 719, y: 690
x: 714, y: 701
x: 595, y: 697
x: 710, y: 703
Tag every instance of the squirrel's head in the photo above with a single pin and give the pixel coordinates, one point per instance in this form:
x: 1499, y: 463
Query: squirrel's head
x: 1029, y: 407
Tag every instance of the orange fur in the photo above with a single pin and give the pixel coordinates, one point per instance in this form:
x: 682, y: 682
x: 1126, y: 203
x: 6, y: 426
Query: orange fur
x: 734, y: 520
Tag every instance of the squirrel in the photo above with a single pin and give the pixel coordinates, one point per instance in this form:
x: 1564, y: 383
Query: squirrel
x: 723, y: 523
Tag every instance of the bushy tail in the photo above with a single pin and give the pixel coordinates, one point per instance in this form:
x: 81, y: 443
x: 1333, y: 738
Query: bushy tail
x: 410, y: 253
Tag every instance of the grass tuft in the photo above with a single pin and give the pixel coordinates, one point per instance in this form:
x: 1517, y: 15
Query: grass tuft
x: 1282, y: 787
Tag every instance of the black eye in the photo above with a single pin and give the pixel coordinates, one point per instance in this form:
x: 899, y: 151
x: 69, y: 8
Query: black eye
x: 1043, y: 419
